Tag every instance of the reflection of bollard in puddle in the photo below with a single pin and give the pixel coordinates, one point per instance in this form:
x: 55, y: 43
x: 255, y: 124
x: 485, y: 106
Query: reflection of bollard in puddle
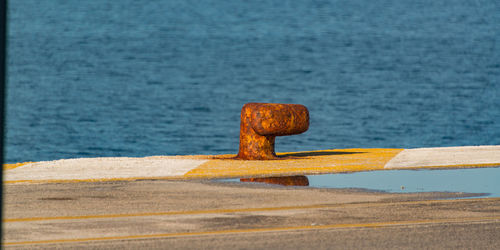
x: 262, y: 122
x: 299, y: 180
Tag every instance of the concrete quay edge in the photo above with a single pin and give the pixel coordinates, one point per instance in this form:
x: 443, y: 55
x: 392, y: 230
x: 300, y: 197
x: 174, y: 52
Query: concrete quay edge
x: 225, y: 166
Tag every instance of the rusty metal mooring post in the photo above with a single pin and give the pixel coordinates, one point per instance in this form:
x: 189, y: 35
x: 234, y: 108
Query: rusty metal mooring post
x: 262, y: 122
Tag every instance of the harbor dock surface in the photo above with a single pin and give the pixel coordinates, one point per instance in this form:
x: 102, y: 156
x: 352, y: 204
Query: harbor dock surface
x: 154, y: 211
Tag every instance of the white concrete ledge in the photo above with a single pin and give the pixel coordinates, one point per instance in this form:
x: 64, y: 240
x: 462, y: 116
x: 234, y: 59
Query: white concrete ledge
x: 446, y: 156
x: 102, y: 168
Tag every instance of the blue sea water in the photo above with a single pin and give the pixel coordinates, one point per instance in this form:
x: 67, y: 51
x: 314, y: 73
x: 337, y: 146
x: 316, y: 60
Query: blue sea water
x: 137, y: 77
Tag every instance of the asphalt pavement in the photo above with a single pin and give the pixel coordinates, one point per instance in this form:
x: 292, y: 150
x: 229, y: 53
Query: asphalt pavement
x: 198, y: 214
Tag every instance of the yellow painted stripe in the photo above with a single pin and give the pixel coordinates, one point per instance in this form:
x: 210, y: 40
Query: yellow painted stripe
x: 244, y: 210
x: 301, y: 163
x: 215, y: 211
x: 262, y: 230
x: 14, y: 165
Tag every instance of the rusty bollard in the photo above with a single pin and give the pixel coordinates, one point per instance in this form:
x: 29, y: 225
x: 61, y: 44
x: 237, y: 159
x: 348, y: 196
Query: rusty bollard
x: 262, y: 122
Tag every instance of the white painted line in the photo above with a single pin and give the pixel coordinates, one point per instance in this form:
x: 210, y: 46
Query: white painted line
x: 103, y: 168
x: 447, y: 156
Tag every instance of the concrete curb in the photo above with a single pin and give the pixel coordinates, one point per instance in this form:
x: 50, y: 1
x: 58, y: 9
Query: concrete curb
x: 224, y: 166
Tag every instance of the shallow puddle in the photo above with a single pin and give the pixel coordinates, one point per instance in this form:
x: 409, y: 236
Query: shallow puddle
x: 474, y: 180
